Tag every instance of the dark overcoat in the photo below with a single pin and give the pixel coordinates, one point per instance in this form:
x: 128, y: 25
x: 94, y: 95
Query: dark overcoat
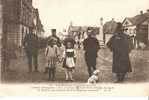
x: 120, y: 45
x: 91, y: 47
x: 31, y: 44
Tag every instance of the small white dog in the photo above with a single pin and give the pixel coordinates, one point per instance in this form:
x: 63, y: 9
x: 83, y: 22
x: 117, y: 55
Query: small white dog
x: 94, y: 78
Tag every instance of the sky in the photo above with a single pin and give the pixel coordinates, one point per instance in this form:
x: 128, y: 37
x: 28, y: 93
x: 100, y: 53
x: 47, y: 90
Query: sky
x: 59, y: 13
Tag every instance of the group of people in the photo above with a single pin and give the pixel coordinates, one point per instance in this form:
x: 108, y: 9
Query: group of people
x: 119, y: 44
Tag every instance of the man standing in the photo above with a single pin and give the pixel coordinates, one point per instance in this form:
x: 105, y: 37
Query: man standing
x: 120, y: 45
x: 30, y: 44
x: 55, y: 37
x: 91, y: 47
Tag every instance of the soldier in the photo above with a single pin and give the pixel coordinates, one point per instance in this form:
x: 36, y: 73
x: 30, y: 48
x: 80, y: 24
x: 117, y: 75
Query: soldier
x: 91, y: 47
x: 55, y: 37
x: 119, y: 44
x: 30, y: 44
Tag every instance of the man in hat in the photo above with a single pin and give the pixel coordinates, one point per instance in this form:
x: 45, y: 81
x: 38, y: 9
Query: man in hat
x: 120, y: 45
x: 55, y: 37
x: 30, y: 44
x: 91, y: 47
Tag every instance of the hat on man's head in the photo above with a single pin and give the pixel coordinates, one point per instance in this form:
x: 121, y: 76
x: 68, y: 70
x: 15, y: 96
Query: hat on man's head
x: 119, y: 25
x: 89, y: 29
x: 53, y: 30
x: 119, y: 28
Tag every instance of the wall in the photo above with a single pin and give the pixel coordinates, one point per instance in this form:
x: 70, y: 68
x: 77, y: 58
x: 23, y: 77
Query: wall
x: 1, y: 31
x: 148, y: 30
x: 1, y: 21
x: 142, y: 33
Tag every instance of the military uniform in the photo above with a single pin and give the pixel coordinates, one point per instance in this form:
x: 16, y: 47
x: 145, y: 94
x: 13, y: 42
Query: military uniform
x: 31, y: 48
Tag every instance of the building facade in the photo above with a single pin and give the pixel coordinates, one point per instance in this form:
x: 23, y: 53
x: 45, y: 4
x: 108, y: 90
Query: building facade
x: 1, y: 32
x: 79, y: 33
x: 17, y: 19
x: 37, y: 23
x: 137, y: 27
x: 109, y: 30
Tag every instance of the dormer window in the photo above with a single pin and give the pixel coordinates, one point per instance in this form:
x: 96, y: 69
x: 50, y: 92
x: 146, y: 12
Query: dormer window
x: 126, y: 23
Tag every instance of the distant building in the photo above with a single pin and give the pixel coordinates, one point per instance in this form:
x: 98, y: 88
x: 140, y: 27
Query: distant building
x: 109, y: 30
x: 138, y: 26
x: 37, y: 23
x: 79, y: 33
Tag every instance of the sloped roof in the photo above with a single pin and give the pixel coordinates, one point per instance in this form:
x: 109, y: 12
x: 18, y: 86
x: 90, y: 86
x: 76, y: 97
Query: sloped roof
x: 82, y: 28
x: 110, y: 27
x: 138, y: 19
x: 75, y: 28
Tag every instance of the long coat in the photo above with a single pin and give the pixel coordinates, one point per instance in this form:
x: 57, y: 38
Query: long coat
x: 31, y: 44
x: 120, y: 45
x: 91, y: 47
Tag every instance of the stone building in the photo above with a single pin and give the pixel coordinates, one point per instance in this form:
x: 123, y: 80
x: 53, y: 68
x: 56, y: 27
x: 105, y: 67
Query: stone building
x: 109, y: 29
x: 1, y: 31
x: 1, y: 21
x: 17, y: 19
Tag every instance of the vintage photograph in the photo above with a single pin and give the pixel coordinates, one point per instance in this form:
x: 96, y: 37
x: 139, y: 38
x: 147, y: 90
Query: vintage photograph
x: 74, y: 41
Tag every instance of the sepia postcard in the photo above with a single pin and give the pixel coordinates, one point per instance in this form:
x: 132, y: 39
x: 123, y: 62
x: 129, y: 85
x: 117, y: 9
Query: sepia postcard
x: 74, y: 47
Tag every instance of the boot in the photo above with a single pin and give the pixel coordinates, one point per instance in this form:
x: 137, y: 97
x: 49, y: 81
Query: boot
x: 122, y: 76
x: 118, y: 78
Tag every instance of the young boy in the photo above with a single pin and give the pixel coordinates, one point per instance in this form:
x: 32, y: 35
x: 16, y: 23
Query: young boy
x: 52, y: 54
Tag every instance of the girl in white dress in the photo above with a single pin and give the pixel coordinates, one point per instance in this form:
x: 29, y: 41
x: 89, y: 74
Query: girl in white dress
x: 69, y: 56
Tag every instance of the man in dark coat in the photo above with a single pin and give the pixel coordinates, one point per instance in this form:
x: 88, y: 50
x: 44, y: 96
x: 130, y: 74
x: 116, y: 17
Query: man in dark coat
x: 120, y: 45
x: 30, y: 44
x: 91, y: 47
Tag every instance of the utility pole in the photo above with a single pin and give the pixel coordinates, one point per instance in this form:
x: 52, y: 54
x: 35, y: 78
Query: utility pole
x: 101, y: 35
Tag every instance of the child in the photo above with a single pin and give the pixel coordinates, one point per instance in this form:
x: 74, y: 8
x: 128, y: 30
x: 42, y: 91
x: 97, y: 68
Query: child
x: 52, y: 54
x: 69, y: 60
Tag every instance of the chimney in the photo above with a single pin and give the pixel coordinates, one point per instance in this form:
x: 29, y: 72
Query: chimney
x: 141, y: 12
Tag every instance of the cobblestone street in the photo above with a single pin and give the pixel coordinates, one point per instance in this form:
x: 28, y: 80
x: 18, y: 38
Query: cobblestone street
x: 139, y: 61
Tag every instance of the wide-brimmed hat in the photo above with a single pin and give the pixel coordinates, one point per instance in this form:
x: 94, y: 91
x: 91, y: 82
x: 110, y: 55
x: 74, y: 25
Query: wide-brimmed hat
x: 120, y: 28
